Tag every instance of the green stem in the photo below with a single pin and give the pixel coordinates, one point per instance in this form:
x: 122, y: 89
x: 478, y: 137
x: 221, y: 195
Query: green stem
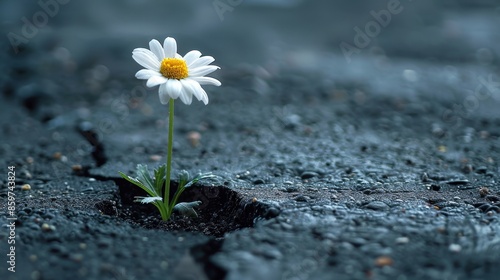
x: 166, y: 197
x: 178, y: 193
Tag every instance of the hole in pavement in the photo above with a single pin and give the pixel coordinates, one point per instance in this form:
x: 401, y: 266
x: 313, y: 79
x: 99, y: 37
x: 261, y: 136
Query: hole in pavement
x: 222, y: 210
x: 202, y: 254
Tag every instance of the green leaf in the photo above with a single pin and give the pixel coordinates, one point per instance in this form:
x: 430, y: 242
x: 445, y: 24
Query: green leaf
x: 144, y: 177
x: 183, y: 178
x: 143, y: 180
x: 186, y: 208
x: 159, y: 179
x: 200, y: 177
x: 137, y: 183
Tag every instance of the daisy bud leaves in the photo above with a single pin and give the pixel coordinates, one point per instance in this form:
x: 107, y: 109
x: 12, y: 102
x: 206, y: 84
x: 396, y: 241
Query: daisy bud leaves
x: 186, y: 208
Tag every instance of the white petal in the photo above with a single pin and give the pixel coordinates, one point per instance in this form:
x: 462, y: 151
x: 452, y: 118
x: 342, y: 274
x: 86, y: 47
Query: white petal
x: 170, y: 47
x: 174, y: 88
x: 202, y: 61
x: 186, y: 85
x: 157, y: 49
x: 206, y: 81
x: 156, y: 80
x: 178, y: 56
x: 196, y: 90
x: 202, y: 71
x: 162, y: 92
x: 145, y: 74
x: 186, y: 96
x: 146, y: 58
x: 191, y: 57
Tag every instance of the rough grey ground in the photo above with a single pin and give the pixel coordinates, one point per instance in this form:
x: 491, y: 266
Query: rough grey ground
x: 382, y: 168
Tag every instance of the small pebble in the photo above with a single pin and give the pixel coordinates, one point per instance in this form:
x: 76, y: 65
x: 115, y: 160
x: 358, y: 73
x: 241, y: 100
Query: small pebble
x: 194, y: 138
x: 292, y: 189
x: 155, y: 157
x: 46, y: 227
x: 457, y: 182
x: 435, y: 187
x: 302, y: 198
x: 271, y: 213
x: 89, y: 189
x: 76, y: 257
x: 453, y: 204
x: 308, y: 175
x: 383, y: 261
x: 402, y: 240
x: 493, y: 208
x: 58, y: 248
x: 286, y: 226
x: 258, y: 182
x: 377, y: 206
x: 164, y: 265
x: 493, y: 198
x: 77, y: 167
x: 104, y: 242
x: 455, y: 248
x: 26, y: 187
x: 437, y: 130
x: 316, y: 208
x: 484, y: 134
x: 483, y: 191
x: 481, y: 170
x: 468, y: 168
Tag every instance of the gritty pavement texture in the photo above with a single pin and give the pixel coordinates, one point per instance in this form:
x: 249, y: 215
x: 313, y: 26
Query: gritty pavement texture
x: 382, y: 167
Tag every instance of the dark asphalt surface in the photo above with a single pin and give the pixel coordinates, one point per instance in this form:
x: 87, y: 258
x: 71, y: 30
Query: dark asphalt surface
x: 382, y: 164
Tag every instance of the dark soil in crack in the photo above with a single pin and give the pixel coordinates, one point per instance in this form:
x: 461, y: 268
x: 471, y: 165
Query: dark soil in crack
x: 222, y: 210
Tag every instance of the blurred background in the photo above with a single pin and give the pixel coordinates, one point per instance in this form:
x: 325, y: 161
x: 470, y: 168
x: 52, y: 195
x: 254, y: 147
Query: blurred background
x: 380, y: 43
x: 254, y: 31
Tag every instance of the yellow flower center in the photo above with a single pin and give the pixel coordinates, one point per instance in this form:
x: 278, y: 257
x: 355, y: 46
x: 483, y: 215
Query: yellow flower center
x: 174, y: 68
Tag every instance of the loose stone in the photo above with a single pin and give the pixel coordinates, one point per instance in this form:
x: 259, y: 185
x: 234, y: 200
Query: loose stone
x: 309, y: 174
x: 383, y: 261
x: 455, y: 248
x: 377, y: 206
x: 402, y: 240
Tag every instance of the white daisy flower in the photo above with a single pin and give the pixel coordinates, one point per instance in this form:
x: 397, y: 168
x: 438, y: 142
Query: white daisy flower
x: 178, y: 77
